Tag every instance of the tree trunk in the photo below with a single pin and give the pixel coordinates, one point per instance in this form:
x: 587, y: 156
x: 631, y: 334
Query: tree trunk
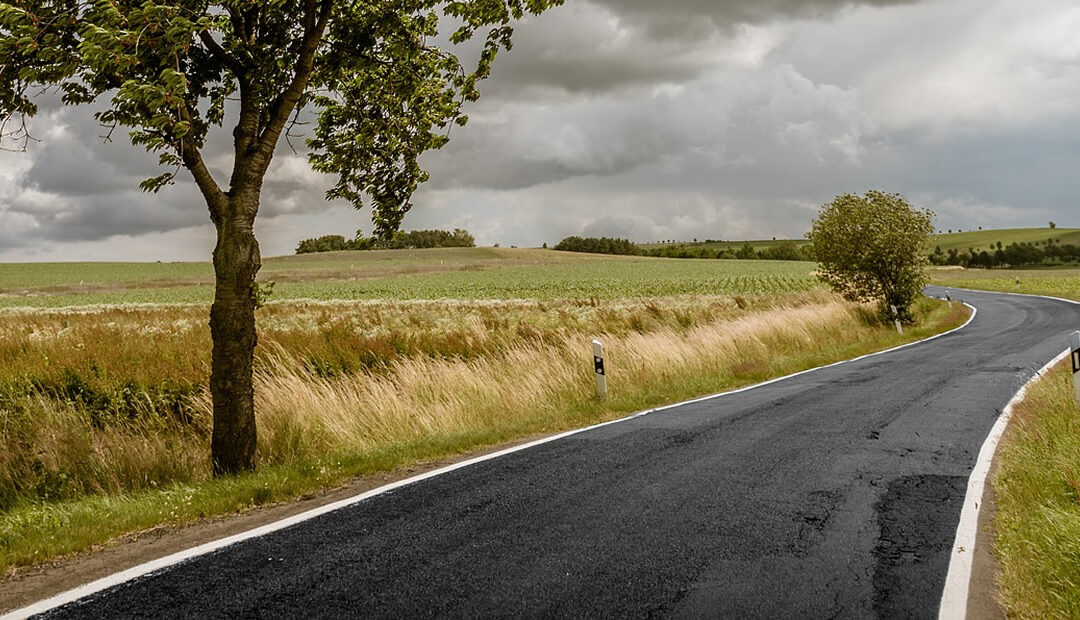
x: 232, y: 327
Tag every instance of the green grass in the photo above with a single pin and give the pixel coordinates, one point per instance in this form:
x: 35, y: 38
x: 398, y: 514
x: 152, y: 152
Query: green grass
x: 1055, y: 282
x: 18, y: 278
x: 984, y: 239
x: 457, y: 273
x: 1037, y: 524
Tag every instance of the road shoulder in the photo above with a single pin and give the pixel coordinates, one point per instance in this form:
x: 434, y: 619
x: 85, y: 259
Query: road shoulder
x: 983, y: 601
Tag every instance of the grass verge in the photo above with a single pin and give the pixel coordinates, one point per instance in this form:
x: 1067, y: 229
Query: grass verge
x: 319, y: 429
x: 1054, y: 282
x: 1037, y: 524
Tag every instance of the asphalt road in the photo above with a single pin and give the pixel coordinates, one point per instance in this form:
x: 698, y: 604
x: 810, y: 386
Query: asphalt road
x: 834, y: 493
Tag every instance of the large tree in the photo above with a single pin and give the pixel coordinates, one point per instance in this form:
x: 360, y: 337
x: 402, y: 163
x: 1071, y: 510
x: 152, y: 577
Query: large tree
x: 873, y: 248
x: 174, y: 70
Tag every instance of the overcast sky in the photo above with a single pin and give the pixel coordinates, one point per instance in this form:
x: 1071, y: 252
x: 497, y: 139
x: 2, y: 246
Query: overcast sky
x: 649, y: 119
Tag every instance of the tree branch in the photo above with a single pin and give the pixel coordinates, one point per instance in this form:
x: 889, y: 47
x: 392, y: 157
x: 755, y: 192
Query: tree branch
x: 219, y: 53
x: 193, y: 161
x: 283, y: 106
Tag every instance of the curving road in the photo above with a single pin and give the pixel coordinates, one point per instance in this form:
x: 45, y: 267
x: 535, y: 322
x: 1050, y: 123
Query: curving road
x: 834, y: 493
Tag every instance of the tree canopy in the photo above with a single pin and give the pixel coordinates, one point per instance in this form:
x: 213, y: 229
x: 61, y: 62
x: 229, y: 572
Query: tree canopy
x: 382, y: 91
x: 873, y: 248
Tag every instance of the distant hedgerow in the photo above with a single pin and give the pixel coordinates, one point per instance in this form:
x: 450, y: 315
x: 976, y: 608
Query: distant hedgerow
x: 599, y: 245
x: 413, y: 239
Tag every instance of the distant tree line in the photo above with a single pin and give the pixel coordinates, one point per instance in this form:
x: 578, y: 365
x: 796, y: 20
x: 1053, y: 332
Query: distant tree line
x: 599, y: 245
x: 413, y: 239
x: 332, y: 243
x: 1050, y: 252
x: 781, y: 250
x: 1023, y: 254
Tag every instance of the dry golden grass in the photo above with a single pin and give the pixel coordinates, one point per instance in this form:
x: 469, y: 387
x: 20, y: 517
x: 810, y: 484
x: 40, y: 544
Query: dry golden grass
x: 112, y: 399
x: 302, y: 414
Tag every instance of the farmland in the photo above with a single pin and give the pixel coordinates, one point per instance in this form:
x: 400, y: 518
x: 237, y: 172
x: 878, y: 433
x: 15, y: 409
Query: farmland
x: 456, y: 273
x: 367, y: 361
x: 986, y: 239
x: 1053, y: 282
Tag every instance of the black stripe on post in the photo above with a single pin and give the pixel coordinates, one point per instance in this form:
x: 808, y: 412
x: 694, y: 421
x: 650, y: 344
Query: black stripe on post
x: 598, y: 364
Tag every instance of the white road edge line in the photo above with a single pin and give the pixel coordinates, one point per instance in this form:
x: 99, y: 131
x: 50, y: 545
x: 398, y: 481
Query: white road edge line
x: 958, y: 580
x: 155, y: 565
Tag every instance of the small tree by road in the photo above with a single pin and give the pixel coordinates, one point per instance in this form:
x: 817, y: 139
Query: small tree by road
x: 872, y: 248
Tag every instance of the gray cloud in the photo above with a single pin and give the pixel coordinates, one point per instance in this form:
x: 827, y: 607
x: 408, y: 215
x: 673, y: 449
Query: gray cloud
x: 653, y: 120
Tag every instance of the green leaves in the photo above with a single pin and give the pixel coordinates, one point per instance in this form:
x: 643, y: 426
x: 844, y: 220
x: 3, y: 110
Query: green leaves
x: 873, y: 248
x: 382, y: 92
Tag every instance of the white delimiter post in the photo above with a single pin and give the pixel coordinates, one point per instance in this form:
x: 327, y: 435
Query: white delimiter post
x: 1074, y: 345
x: 896, y: 319
x: 598, y: 367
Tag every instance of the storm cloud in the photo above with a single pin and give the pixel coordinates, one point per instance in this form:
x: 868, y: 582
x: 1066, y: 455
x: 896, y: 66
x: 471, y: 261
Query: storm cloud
x: 652, y: 120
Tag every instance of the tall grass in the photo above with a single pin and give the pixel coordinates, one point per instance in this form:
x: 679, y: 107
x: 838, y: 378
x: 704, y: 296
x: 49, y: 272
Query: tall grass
x: 1037, y: 524
x: 303, y: 414
x: 113, y: 399
x: 77, y: 467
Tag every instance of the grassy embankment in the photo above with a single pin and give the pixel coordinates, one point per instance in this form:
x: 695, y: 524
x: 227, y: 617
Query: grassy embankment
x: 105, y: 416
x: 1037, y: 523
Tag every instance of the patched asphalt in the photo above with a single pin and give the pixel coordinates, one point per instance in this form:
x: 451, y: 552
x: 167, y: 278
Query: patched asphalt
x: 832, y: 494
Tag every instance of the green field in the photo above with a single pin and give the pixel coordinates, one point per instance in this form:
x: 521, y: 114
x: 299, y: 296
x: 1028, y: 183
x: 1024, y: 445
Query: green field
x: 980, y: 240
x: 984, y: 239
x: 453, y: 273
x: 1055, y: 282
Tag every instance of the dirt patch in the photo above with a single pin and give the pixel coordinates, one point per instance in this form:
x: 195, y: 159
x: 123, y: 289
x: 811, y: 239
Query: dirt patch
x: 29, y: 585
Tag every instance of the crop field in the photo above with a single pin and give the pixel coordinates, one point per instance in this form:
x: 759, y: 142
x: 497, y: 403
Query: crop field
x: 1054, y: 282
x: 453, y: 273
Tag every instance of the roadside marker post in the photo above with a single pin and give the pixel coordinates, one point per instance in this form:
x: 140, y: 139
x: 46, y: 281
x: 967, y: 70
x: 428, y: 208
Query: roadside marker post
x: 598, y: 367
x: 948, y: 298
x: 1074, y: 346
x: 896, y: 320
